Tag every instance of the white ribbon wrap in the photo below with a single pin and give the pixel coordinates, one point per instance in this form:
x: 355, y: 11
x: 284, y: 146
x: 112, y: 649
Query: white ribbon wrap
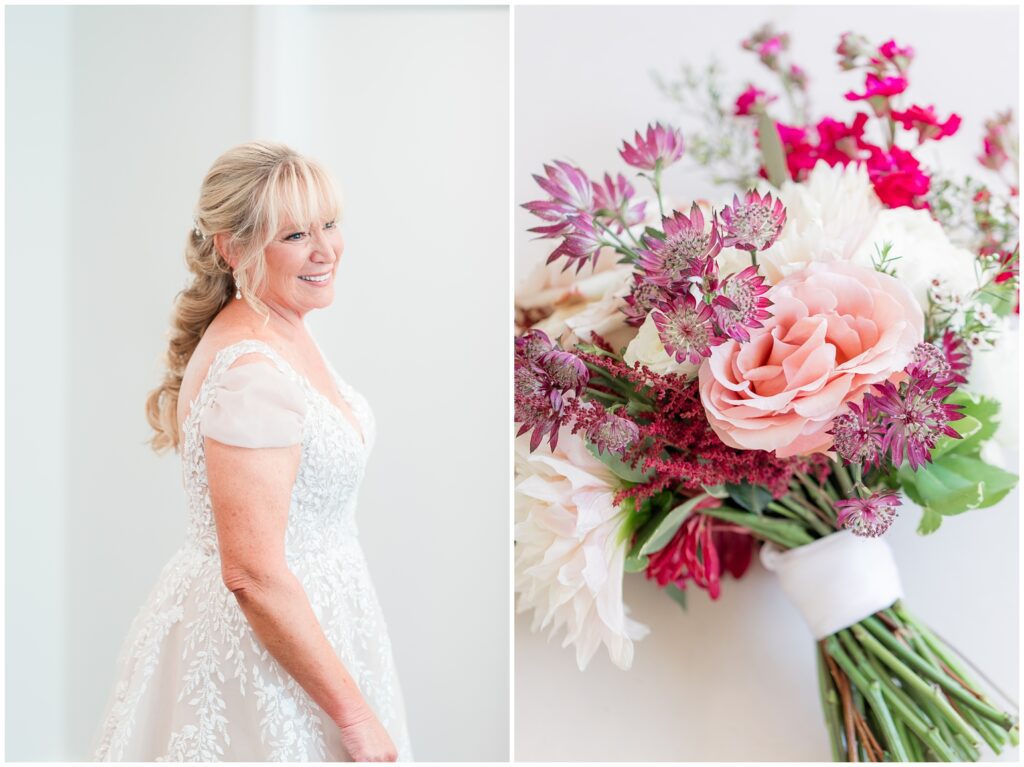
x: 836, y: 581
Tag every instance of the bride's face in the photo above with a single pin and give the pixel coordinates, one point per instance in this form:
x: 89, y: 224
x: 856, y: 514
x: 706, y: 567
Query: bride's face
x: 296, y: 254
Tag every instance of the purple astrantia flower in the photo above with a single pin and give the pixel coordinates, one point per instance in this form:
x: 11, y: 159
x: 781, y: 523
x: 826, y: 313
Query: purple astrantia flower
x: 613, y: 433
x: 533, y: 408
x: 565, y: 372
x: 532, y: 344
x: 929, y: 360
x: 662, y: 147
x: 613, y: 200
x: 868, y: 517
x: 642, y: 298
x: 581, y: 242
x: 683, y: 253
x: 915, y: 419
x: 741, y: 304
x: 858, y: 437
x: 958, y: 355
x: 571, y: 194
x: 685, y: 328
x: 753, y: 224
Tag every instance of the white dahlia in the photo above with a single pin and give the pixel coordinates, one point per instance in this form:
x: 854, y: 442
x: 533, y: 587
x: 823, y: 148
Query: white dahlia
x: 569, y: 551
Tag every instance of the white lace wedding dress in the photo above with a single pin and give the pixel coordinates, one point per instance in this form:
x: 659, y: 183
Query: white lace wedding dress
x: 193, y: 682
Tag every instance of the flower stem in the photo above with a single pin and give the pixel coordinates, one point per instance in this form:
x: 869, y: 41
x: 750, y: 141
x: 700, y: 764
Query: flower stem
x: 830, y: 704
x: 843, y: 477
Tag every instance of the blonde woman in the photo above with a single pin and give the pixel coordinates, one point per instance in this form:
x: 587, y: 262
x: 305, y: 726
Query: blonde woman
x: 263, y: 639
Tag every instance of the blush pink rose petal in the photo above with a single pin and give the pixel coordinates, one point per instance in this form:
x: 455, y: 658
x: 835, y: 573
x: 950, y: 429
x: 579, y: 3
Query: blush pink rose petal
x: 837, y: 328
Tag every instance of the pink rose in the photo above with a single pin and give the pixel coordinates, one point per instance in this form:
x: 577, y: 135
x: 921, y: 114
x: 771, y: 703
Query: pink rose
x: 836, y: 329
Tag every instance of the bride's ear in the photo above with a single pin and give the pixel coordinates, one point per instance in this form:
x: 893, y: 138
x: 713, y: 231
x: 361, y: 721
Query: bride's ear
x: 224, y: 245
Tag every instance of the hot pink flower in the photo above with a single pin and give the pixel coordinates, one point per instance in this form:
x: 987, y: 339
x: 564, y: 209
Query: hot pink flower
x: 836, y: 329
x: 885, y: 87
x: 926, y: 123
x: 899, y: 55
x: 753, y: 101
x: 662, y: 147
x: 898, y: 179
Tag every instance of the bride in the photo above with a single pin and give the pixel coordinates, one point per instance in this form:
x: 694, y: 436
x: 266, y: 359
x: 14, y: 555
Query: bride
x: 262, y: 639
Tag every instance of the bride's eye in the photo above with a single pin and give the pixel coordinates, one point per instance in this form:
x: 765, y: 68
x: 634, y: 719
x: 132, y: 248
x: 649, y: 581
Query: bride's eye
x: 294, y: 237
x: 330, y: 224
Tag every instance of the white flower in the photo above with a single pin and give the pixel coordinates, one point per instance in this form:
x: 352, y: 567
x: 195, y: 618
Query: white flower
x: 647, y: 349
x: 827, y: 219
x: 575, y: 305
x: 569, y: 556
x: 922, y: 253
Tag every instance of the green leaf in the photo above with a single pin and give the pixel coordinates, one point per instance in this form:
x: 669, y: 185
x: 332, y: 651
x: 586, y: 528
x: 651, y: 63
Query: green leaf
x: 753, y: 498
x: 659, y: 531
x: 966, y: 427
x: 635, y: 564
x: 771, y: 150
x: 716, y: 491
x: 930, y: 522
x: 650, y: 231
x: 1001, y: 297
x: 619, y: 467
x: 677, y: 594
x: 955, y: 483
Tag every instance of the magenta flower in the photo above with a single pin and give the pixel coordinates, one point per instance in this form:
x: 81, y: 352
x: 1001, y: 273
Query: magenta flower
x: 858, y: 437
x: 997, y: 141
x: 752, y: 101
x: 958, y: 356
x: 613, y: 433
x: 929, y: 361
x: 898, y: 179
x: 612, y: 201
x: 899, y: 55
x: 878, y: 90
x: 741, y: 304
x: 565, y: 373
x: 685, y: 328
x: 533, y: 408
x: 642, y: 298
x: 755, y: 223
x: 684, y: 252
x: 662, y: 147
x: 926, y: 123
x: 532, y: 344
x: 914, y: 420
x: 868, y: 517
x: 581, y: 242
x: 571, y: 194
x: 797, y: 76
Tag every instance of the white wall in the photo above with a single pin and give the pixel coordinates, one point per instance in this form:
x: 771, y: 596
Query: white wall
x: 735, y: 680
x: 38, y: 320
x: 155, y: 95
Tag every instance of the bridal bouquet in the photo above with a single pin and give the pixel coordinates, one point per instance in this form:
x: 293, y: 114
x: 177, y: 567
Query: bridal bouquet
x: 777, y: 371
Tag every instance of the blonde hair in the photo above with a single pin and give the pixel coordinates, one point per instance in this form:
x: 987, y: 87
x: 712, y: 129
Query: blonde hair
x: 248, y: 193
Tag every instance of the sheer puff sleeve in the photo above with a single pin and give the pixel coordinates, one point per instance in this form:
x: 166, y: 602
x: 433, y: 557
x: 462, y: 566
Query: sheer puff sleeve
x: 254, y: 405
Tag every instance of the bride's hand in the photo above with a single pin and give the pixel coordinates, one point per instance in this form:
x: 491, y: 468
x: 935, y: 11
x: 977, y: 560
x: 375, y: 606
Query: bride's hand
x: 366, y: 740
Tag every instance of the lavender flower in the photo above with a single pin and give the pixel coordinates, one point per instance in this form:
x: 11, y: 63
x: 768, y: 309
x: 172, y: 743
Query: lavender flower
x: 868, y: 517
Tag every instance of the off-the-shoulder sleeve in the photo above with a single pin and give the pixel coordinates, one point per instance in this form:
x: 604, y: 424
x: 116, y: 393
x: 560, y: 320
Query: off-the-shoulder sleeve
x: 254, y: 405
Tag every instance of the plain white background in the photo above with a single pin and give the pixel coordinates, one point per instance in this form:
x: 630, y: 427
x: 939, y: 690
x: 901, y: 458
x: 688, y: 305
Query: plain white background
x: 114, y: 116
x: 734, y: 680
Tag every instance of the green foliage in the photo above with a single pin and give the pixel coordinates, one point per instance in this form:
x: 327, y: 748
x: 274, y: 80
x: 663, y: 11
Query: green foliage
x: 620, y: 468
x: 753, y: 498
x: 957, y: 479
x: 658, y: 531
x: 771, y: 150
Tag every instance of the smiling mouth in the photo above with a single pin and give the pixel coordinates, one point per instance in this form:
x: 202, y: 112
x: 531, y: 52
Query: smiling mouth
x: 315, y: 278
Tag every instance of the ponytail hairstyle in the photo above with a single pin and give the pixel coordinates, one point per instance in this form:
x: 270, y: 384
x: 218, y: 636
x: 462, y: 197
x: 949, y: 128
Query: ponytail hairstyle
x: 247, y: 194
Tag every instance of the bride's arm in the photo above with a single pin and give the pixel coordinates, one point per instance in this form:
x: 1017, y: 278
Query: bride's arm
x: 250, y: 490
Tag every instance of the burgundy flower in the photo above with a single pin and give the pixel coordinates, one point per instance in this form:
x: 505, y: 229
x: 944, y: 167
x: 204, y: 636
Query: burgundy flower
x: 613, y: 433
x: 868, y: 517
x: 662, y: 147
x: 926, y: 123
x: 914, y: 420
x: 755, y: 223
x: 533, y: 408
x: 741, y: 304
x: 612, y: 200
x: 958, y: 356
x: 532, y: 344
x: 928, y: 360
x: 571, y: 194
x: 701, y: 550
x: 752, y: 101
x: 566, y: 372
x: 685, y: 328
x: 684, y: 251
x: 858, y: 437
x: 642, y: 298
